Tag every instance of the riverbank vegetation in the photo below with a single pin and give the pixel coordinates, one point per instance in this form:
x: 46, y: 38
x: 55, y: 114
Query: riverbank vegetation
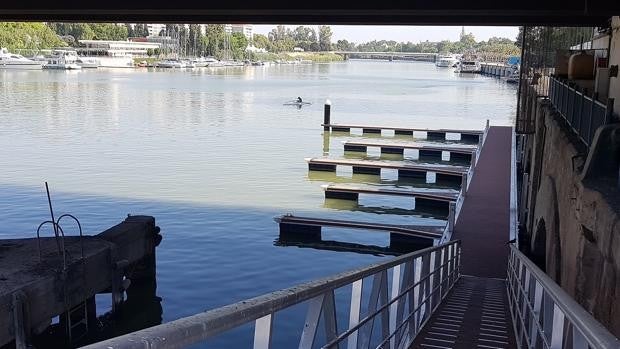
x: 317, y: 57
x: 281, y: 43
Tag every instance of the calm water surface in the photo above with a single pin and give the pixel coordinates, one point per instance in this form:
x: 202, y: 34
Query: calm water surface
x: 214, y: 156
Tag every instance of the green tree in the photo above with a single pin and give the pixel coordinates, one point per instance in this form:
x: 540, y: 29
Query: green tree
x: 79, y: 31
x: 238, y: 44
x: 29, y: 36
x: 325, y: 38
x: 344, y: 45
x: 261, y: 41
x: 214, y: 39
x: 109, y: 31
x: 305, y: 37
x: 468, y: 40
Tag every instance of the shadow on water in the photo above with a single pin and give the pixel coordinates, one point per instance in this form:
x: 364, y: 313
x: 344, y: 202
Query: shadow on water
x: 337, y: 246
x: 349, y: 205
x: 141, y: 309
x: 207, y: 255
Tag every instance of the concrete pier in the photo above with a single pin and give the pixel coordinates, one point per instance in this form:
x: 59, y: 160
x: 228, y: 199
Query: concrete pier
x: 37, y: 283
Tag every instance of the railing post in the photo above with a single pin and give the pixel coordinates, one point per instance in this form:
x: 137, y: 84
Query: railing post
x: 464, y: 184
x: 609, y: 109
x: 425, y: 290
x: 396, y: 286
x: 451, y: 216
x: 262, y: 332
x: 312, y: 322
x: 587, y: 138
x: 355, y: 311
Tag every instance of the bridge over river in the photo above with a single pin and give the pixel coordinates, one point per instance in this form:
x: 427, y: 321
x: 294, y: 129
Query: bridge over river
x: 390, y: 56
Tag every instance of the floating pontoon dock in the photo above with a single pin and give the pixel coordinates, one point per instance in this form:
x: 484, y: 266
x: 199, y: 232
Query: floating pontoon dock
x: 443, y: 172
x: 466, y: 135
x: 309, y: 229
x: 425, y: 149
x: 423, y: 197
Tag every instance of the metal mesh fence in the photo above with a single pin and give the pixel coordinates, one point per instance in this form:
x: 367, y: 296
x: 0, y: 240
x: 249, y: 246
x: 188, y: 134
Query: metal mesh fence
x: 544, y: 53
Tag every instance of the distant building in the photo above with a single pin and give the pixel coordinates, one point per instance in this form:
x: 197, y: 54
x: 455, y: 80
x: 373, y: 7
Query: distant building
x: 155, y: 29
x: 245, y: 29
x: 116, y: 48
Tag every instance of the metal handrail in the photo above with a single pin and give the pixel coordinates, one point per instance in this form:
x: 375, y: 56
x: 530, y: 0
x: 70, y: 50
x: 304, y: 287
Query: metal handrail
x: 584, y: 114
x: 544, y: 315
x: 419, y: 282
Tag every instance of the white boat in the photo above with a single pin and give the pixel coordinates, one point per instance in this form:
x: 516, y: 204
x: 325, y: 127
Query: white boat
x: 14, y: 61
x: 199, y: 62
x: 446, y: 61
x: 88, y: 62
x: 170, y: 63
x: 189, y: 64
x: 514, y: 77
x: 62, y: 59
x: 468, y: 66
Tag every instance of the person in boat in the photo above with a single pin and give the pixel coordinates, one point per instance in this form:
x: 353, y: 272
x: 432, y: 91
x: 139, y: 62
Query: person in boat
x: 299, y: 100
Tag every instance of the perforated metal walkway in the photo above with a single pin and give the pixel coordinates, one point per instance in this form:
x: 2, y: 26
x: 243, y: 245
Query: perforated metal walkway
x: 474, y: 315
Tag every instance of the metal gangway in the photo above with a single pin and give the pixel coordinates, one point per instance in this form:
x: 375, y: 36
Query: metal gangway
x: 417, y: 300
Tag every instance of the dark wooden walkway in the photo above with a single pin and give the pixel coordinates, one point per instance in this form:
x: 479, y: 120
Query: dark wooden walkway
x: 475, y: 313
x: 484, y: 221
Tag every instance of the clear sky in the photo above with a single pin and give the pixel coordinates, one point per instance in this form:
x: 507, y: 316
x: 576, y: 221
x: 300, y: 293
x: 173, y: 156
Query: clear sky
x: 364, y: 33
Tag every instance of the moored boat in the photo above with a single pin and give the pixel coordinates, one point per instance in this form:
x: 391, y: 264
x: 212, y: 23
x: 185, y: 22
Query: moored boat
x: 468, y: 66
x: 446, y: 61
x: 170, y: 63
x: 14, y: 61
x: 62, y: 59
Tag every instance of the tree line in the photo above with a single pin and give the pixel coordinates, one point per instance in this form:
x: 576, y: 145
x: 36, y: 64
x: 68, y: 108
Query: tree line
x: 467, y: 43
x: 190, y: 40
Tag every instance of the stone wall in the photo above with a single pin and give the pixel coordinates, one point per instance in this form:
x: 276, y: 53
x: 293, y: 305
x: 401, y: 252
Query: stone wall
x: 576, y: 222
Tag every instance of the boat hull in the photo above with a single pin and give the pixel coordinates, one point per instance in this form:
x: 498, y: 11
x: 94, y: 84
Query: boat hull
x: 20, y: 66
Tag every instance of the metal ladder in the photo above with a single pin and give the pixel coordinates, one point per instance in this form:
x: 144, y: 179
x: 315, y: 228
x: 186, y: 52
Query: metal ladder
x: 76, y: 317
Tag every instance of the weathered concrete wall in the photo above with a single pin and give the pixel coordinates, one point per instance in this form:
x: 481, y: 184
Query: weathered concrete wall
x: 577, y: 223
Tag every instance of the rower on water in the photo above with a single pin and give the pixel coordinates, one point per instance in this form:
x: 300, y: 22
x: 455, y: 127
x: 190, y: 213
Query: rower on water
x: 299, y: 100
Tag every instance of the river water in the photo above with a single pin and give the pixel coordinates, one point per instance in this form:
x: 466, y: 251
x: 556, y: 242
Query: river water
x: 214, y: 155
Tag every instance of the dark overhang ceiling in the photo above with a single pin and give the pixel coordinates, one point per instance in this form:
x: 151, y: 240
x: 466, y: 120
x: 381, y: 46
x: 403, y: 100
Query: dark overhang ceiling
x: 390, y: 12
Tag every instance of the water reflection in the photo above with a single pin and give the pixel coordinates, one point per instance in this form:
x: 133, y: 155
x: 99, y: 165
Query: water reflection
x: 348, y: 205
x: 337, y: 246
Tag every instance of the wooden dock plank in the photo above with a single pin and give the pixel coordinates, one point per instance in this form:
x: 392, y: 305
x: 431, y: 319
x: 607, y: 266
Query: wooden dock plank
x: 432, y: 232
x: 437, y: 195
x: 405, y: 129
x: 442, y: 169
x: 415, y: 145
